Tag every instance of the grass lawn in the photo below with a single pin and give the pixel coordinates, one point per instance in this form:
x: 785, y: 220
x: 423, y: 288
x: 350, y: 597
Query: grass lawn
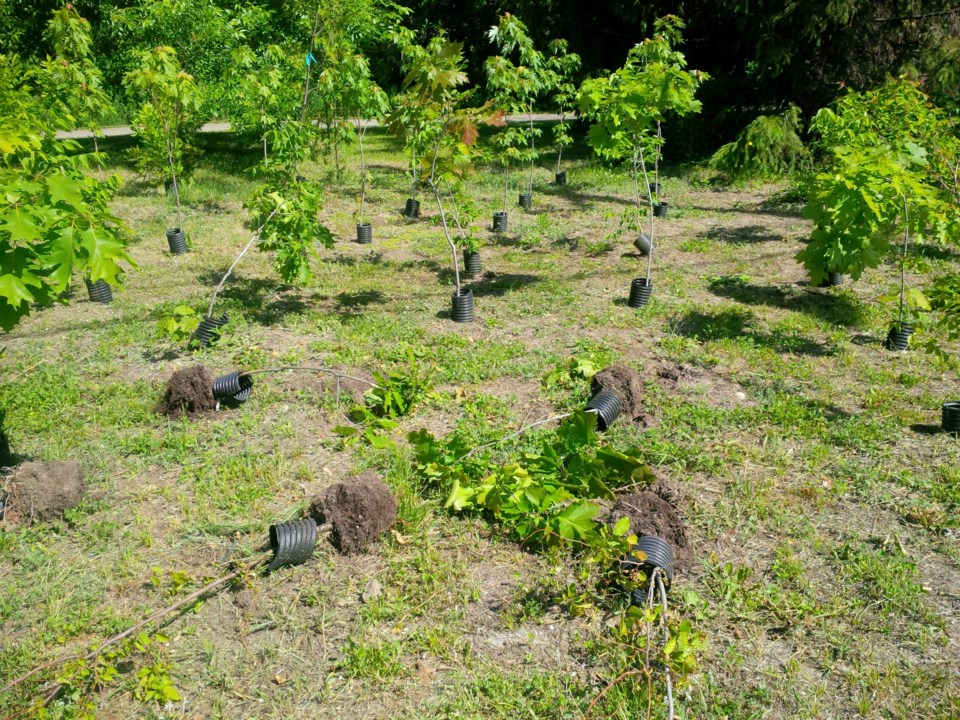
x: 821, y: 502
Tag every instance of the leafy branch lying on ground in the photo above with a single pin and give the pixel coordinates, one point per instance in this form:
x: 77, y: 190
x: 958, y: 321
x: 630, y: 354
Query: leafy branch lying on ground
x: 545, y: 498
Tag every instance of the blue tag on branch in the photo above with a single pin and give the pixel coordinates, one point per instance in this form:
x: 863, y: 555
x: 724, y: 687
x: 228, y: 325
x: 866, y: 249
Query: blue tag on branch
x: 310, y: 59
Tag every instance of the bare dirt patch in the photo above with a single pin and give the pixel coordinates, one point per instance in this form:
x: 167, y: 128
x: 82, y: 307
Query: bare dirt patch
x: 696, y: 381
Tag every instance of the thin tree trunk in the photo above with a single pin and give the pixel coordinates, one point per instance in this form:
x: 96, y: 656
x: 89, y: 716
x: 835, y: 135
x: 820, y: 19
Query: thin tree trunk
x: 560, y: 146
x: 903, y: 259
x: 306, y: 86
x: 363, y: 169
x: 176, y: 185
x: 413, y: 170
x: 443, y: 216
x: 456, y: 212
x: 638, y: 152
x: 506, y: 173
x: 533, y: 152
x: 96, y: 149
x: 446, y: 234
x: 239, y: 257
x: 656, y: 162
x: 334, y: 133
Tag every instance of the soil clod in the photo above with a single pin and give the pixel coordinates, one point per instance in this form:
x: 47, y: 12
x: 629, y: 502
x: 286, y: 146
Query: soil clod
x: 359, y: 510
x: 651, y: 514
x: 42, y: 491
x: 626, y: 384
x: 190, y: 392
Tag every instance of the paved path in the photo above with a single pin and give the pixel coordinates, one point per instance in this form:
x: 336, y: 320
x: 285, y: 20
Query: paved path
x: 218, y: 127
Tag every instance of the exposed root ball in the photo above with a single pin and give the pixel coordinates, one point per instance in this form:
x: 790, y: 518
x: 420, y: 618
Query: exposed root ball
x: 43, y: 490
x: 189, y: 391
x: 359, y: 510
x: 626, y: 384
x: 650, y: 514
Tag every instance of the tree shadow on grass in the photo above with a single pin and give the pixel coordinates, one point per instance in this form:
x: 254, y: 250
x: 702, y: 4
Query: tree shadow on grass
x: 488, y: 284
x: 737, y: 325
x: 363, y: 298
x: 837, y: 308
x: 250, y: 296
x: 745, y: 235
x: 934, y: 252
x: 382, y: 169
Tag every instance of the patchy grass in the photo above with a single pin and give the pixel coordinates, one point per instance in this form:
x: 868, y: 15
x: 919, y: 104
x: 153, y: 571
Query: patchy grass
x: 822, y: 505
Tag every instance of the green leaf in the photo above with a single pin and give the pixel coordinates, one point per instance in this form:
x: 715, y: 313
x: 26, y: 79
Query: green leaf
x: 917, y: 299
x: 14, y: 289
x: 622, y: 526
x: 382, y: 442
x: 460, y: 497
x: 64, y: 189
x: 23, y: 226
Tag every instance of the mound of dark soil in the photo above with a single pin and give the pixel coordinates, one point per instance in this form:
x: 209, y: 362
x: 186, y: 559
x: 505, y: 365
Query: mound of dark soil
x: 651, y: 514
x: 43, y: 490
x: 359, y: 511
x: 626, y: 384
x: 189, y: 391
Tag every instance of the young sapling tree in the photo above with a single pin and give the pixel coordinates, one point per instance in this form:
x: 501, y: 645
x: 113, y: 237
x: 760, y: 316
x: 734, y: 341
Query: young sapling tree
x: 340, y: 30
x: 408, y: 120
x: 627, y: 107
x: 69, y: 85
x: 268, y: 92
x: 561, y: 66
x: 514, y: 88
x: 170, y: 104
x: 364, y: 101
x: 883, y: 149
x: 435, y: 78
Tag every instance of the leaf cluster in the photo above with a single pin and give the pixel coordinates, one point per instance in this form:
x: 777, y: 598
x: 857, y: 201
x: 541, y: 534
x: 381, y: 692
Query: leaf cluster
x: 288, y: 213
x: 515, y: 79
x: 398, y: 391
x: 69, y: 86
x: 169, y: 110
x: 179, y: 324
x: 395, y: 395
x: 54, y: 218
x: 562, y: 65
x: 653, y: 83
x: 885, y: 150
x: 268, y: 91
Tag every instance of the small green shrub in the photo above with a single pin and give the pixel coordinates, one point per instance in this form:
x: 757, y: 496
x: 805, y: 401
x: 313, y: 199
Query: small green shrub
x: 769, y: 147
